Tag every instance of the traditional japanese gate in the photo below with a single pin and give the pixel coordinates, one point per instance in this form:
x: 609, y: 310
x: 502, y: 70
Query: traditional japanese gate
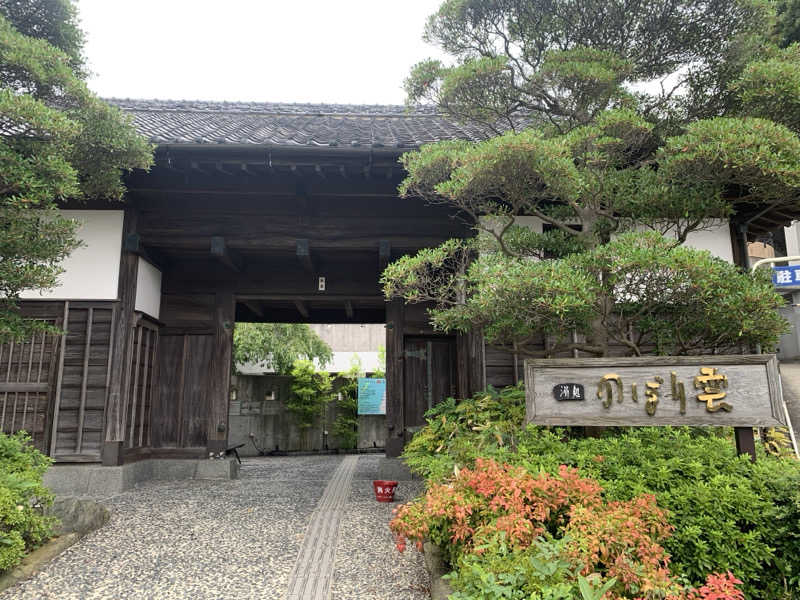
x: 430, y: 377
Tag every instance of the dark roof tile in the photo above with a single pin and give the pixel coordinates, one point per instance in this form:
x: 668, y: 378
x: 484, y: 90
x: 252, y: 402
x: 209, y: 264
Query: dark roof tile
x: 375, y: 126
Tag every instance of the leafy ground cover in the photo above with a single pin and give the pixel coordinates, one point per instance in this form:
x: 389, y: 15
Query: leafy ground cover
x: 637, y: 513
x: 23, y: 525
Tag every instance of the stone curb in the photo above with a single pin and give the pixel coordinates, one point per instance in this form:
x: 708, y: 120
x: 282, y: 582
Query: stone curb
x: 37, y: 559
x: 77, y: 517
x: 440, y: 589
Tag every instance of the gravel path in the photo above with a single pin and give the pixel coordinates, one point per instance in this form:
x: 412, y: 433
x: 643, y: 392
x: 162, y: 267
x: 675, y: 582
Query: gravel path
x: 235, y: 540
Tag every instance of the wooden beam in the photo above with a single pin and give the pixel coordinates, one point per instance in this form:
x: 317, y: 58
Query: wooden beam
x: 220, y: 381
x: 225, y: 255
x: 384, y: 254
x: 133, y: 243
x: 34, y: 388
x: 395, y: 376
x: 84, y: 381
x: 304, y: 255
x: 348, y: 309
x: 195, y: 166
x: 302, y: 308
x: 254, y: 307
x: 121, y: 334
x: 332, y: 298
x: 59, y: 380
x: 220, y: 168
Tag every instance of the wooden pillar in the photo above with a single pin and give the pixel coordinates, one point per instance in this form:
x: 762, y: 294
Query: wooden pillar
x: 219, y: 388
x: 120, y: 349
x: 745, y: 441
x: 471, y: 352
x: 477, y: 362
x: 395, y: 375
x: 462, y: 356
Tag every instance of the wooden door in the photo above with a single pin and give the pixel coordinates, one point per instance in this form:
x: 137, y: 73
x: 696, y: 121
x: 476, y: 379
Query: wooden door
x: 430, y: 377
x: 27, y: 373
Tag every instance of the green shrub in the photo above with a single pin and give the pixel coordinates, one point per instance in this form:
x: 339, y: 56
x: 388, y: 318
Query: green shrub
x: 729, y: 514
x: 503, y: 572
x: 310, y: 393
x: 22, y: 499
x: 458, y: 431
x: 345, y: 427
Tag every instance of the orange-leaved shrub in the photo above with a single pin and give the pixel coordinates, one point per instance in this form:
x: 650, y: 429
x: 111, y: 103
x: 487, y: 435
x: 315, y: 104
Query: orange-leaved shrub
x: 618, y: 543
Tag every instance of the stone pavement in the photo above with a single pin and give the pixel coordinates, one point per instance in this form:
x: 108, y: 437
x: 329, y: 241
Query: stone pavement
x: 291, y: 527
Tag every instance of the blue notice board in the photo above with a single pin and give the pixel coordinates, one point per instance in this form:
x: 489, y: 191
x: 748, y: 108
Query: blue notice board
x: 371, y: 396
x: 786, y: 276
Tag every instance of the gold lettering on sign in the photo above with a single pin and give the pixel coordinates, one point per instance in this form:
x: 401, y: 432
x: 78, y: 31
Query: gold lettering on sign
x: 678, y: 391
x: 605, y: 385
x: 712, y: 382
x: 651, y: 393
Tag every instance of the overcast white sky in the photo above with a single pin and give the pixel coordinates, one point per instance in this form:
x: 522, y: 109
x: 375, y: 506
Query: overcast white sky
x: 345, y: 51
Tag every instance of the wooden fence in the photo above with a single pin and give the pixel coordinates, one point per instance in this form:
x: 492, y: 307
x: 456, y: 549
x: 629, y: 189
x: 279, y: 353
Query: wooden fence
x: 54, y: 386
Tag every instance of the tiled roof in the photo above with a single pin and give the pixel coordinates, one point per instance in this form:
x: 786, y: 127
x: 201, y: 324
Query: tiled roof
x: 310, y: 125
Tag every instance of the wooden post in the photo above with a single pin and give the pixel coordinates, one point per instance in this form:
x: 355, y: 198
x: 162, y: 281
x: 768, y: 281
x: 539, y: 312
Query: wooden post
x: 219, y: 390
x: 463, y: 362
x: 121, y: 332
x: 745, y: 442
x: 477, y: 362
x: 395, y: 374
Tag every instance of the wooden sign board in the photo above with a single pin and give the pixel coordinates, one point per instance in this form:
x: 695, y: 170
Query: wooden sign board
x: 736, y: 391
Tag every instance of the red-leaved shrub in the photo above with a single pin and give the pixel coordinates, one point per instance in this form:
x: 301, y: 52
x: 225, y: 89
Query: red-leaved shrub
x: 619, y: 540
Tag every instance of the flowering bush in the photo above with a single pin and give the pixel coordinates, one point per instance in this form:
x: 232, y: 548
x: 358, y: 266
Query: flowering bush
x: 728, y: 514
x: 496, y: 507
x: 497, y: 510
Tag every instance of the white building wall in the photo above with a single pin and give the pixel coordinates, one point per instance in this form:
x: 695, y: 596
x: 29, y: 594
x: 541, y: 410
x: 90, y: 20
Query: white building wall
x: 792, y: 234
x: 91, y: 272
x: 716, y: 238
x: 148, y: 289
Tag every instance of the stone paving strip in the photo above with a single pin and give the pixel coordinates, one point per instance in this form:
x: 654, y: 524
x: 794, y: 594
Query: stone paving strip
x: 220, y: 540
x: 311, y: 576
x: 367, y: 564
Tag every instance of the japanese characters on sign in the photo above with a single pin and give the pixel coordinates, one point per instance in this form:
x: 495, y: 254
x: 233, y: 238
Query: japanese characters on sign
x: 734, y: 391
x: 710, y: 383
x: 568, y: 391
x: 371, y: 396
x: 786, y: 276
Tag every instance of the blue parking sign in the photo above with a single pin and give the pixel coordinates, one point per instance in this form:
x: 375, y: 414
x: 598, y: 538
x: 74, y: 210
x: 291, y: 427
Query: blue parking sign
x: 786, y: 276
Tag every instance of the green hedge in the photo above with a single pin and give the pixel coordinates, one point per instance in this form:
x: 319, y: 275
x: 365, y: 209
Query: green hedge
x: 22, y: 499
x: 728, y: 513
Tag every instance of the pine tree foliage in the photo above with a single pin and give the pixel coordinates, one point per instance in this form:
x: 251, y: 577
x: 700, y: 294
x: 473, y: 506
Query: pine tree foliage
x: 620, y: 128
x: 58, y: 141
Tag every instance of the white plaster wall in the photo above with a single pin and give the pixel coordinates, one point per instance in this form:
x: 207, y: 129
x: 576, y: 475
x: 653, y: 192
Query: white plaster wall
x: 148, y: 289
x: 792, y: 241
x: 351, y: 337
x: 91, y: 272
x: 716, y: 239
x: 342, y: 361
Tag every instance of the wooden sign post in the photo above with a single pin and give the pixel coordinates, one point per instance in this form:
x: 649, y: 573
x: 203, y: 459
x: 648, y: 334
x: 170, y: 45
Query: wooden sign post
x: 735, y: 391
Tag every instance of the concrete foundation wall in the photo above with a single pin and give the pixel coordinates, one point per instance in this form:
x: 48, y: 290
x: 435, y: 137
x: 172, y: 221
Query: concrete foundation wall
x: 96, y: 481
